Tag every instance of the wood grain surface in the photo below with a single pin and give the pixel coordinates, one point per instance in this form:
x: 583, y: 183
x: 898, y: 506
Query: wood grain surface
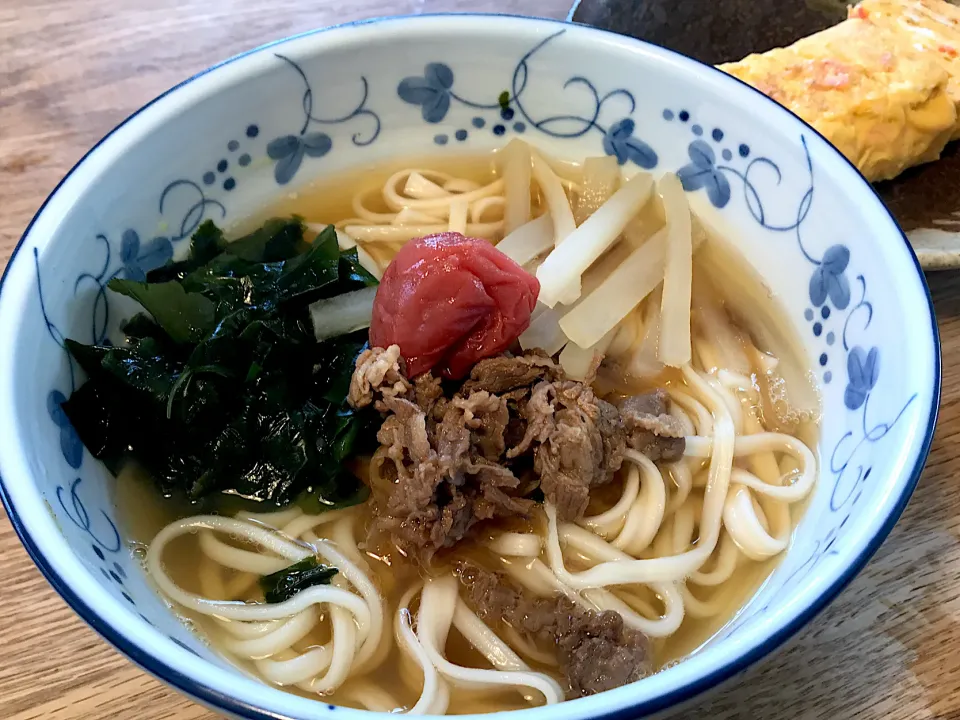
x: 889, y: 647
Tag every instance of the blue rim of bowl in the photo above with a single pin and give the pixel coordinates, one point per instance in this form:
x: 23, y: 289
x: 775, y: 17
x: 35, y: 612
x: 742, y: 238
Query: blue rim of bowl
x: 205, y: 694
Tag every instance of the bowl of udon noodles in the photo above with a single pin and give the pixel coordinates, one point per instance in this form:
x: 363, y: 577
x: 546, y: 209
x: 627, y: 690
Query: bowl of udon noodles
x: 455, y: 365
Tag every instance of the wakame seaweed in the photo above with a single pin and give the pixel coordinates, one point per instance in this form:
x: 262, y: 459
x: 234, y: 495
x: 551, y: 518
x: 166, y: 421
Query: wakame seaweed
x: 221, y: 386
x: 284, y: 584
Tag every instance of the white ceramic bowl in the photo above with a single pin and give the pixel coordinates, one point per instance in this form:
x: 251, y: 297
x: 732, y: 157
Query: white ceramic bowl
x: 246, y: 132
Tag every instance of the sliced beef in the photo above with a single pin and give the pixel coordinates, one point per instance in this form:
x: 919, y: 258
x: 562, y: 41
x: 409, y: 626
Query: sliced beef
x: 503, y: 374
x: 610, y: 427
x: 476, y: 455
x: 490, y: 595
x: 378, y: 371
x: 487, y: 416
x: 427, y: 392
x: 650, y: 403
x: 603, y: 653
x: 651, y: 430
x: 515, y: 432
x: 596, y: 650
x: 403, y: 436
x: 448, y: 479
x: 537, y: 416
x: 579, y: 443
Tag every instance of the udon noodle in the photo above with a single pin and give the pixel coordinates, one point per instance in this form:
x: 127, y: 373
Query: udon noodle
x: 674, y: 548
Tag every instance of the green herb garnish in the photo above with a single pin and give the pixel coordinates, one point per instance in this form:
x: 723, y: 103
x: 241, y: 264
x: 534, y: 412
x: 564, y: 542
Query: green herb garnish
x: 284, y: 584
x: 221, y: 386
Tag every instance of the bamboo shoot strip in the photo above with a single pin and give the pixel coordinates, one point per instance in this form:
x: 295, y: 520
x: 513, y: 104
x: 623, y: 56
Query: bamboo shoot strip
x: 674, y: 349
x: 645, y: 362
x: 417, y: 186
x: 579, y: 363
x: 528, y: 241
x: 560, y: 273
x: 516, y: 185
x: 544, y: 333
x: 343, y: 314
x: 556, y: 199
x: 629, y: 333
x: 624, y: 289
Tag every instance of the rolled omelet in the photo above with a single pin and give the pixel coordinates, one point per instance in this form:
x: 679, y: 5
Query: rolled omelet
x: 882, y: 102
x: 933, y: 25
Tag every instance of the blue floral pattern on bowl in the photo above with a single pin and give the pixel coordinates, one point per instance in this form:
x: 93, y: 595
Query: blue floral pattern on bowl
x: 289, y: 150
x: 433, y: 92
x: 702, y: 172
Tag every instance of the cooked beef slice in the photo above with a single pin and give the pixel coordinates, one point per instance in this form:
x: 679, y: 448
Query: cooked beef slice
x: 378, y: 371
x: 650, y: 429
x: 502, y: 374
x: 579, y: 443
x: 596, y: 651
x: 447, y: 483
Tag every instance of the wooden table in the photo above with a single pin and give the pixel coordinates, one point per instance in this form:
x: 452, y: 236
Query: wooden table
x: 888, y: 648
